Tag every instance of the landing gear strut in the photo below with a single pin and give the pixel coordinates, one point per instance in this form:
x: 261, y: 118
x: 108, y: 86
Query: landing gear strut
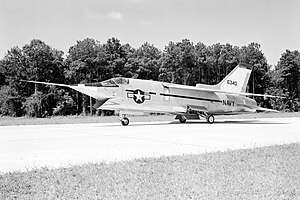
x: 209, y: 118
x: 124, y: 120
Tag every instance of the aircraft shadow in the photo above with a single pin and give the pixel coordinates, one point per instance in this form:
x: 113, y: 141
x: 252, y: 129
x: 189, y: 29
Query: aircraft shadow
x: 232, y: 122
x: 140, y: 124
x: 200, y: 122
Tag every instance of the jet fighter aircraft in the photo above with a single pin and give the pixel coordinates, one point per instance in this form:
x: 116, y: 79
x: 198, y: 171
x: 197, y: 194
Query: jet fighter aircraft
x: 137, y: 97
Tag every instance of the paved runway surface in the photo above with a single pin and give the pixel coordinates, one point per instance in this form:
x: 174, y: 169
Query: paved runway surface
x: 27, y: 147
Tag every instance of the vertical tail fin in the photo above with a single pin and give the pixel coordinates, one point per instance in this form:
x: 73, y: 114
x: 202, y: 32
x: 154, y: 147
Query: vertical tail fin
x: 236, y: 81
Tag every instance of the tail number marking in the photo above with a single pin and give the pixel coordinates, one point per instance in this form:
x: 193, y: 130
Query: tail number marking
x: 231, y: 82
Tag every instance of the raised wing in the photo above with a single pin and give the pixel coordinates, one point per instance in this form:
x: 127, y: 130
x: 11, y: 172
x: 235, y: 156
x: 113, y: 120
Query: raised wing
x: 217, y: 90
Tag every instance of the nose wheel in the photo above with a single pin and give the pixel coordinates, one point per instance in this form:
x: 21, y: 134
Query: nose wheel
x: 124, y: 120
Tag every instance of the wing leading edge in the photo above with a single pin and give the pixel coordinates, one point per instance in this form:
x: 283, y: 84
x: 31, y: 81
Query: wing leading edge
x: 217, y: 90
x: 54, y: 84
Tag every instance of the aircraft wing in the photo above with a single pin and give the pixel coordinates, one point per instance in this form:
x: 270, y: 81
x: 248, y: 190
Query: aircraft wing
x: 90, y: 91
x: 216, y: 90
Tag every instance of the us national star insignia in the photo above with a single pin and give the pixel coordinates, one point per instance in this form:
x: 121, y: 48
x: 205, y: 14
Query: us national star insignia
x: 138, y: 96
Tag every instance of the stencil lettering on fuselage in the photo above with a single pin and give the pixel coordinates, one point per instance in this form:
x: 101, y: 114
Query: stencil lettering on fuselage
x: 228, y: 103
x: 139, y: 96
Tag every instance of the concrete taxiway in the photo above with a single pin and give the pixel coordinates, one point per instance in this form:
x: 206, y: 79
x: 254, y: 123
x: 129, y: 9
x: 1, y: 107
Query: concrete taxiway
x: 26, y: 147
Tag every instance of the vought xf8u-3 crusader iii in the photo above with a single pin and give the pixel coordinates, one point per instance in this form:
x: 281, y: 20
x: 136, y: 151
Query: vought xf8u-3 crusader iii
x: 137, y: 97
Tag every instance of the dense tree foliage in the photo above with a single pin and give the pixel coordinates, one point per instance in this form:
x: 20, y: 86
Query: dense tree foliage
x: 144, y: 62
x: 35, y: 61
x: 178, y: 62
x: 285, y: 81
x: 90, y: 61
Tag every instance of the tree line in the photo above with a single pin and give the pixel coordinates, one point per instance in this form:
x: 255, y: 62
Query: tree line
x: 91, y: 61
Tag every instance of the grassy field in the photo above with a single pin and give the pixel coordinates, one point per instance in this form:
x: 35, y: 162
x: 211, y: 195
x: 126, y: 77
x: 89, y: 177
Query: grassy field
x: 260, y: 173
x: 10, y: 121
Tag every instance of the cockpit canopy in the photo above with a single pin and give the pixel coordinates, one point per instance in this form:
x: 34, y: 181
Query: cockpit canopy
x: 121, y: 81
x: 114, y: 82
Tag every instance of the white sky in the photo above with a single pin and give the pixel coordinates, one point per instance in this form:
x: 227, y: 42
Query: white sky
x: 274, y: 24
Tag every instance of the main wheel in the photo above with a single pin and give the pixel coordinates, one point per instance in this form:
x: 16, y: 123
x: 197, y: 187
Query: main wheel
x: 125, y: 121
x: 182, y: 119
x: 210, y: 119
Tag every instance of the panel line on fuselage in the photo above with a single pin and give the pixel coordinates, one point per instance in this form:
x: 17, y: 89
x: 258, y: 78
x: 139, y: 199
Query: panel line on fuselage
x: 189, y: 97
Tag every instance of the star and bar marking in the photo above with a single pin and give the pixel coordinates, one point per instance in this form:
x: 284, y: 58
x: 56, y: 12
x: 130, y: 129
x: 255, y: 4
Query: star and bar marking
x: 139, y: 96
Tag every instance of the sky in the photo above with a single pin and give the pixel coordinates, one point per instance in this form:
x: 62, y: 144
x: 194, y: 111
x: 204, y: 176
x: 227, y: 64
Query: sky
x: 274, y: 24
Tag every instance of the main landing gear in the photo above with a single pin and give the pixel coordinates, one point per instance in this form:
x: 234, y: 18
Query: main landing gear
x: 182, y: 119
x: 124, y: 120
x: 209, y: 117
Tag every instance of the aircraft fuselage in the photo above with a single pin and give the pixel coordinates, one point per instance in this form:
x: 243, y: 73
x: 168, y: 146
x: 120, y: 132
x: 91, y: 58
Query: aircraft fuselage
x: 136, y: 96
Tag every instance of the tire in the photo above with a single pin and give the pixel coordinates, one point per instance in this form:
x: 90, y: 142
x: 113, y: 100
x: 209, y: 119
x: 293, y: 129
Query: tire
x: 182, y: 119
x: 210, y: 119
x: 125, y: 121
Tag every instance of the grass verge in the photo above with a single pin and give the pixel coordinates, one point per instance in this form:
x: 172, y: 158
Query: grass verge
x: 12, y: 121
x: 259, y: 173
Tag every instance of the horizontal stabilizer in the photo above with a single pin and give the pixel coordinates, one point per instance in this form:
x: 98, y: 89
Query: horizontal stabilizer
x: 260, y: 109
x: 260, y: 95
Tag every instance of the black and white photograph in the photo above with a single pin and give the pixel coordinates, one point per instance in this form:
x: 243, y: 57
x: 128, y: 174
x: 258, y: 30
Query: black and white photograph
x: 149, y: 99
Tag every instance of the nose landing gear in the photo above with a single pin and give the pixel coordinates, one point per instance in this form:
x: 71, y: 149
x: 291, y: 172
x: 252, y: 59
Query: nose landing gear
x: 124, y: 120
